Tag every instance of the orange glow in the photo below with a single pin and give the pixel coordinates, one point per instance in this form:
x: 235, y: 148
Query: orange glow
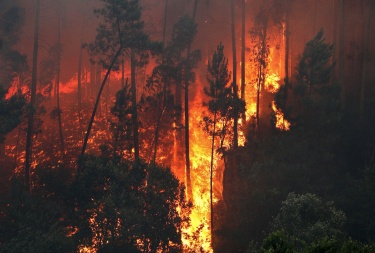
x: 200, y: 158
x: 281, y: 123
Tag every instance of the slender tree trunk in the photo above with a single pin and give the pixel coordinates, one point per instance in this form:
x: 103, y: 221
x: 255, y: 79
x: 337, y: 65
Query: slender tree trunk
x: 165, y: 21
x: 58, y: 80
x: 287, y: 52
x: 123, y: 72
x: 187, y: 127
x: 162, y: 110
x: 157, y: 127
x: 211, y: 175
x: 79, y: 77
x: 134, y: 104
x: 17, y: 144
x: 367, y: 12
x: 258, y: 96
x: 118, y: 53
x: 287, y: 43
x: 243, y: 48
x: 234, y: 84
x: 262, y: 68
x: 30, y: 126
x: 342, y: 52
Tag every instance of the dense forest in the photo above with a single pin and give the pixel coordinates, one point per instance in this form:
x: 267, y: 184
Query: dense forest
x: 187, y: 126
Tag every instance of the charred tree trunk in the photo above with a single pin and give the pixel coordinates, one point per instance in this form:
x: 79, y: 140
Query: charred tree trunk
x: 79, y: 89
x: 58, y: 80
x: 162, y: 110
x: 212, y: 174
x: 367, y: 12
x: 157, y: 127
x: 287, y: 52
x: 234, y: 84
x: 165, y: 21
x: 287, y: 41
x: 118, y: 53
x: 187, y: 131
x: 134, y: 104
x: 262, y: 61
x: 342, y: 52
x: 30, y: 125
x: 243, y: 48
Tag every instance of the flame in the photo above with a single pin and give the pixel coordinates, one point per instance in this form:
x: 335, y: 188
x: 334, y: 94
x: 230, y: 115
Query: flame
x: 281, y: 123
x: 200, y: 159
x: 200, y: 146
x: 272, y: 82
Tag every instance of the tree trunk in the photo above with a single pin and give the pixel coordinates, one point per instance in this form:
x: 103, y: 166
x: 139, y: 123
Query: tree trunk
x: 165, y: 21
x: 79, y: 90
x: 157, y: 127
x: 211, y: 175
x: 187, y: 131
x: 367, y: 12
x: 118, y: 53
x: 234, y: 84
x: 286, y: 62
x: 58, y: 80
x: 30, y: 125
x: 342, y: 52
x: 287, y: 42
x: 134, y: 104
x: 243, y: 48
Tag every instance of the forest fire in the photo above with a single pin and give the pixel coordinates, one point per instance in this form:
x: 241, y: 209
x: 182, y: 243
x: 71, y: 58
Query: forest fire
x: 159, y: 127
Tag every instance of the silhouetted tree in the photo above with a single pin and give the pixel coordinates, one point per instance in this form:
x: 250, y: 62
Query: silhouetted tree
x: 218, y: 106
x: 313, y: 100
x: 13, y: 66
x: 10, y: 112
x: 121, y: 30
x: 122, y: 129
x: 131, y: 203
x: 32, y: 106
x: 234, y: 73
x: 12, y: 62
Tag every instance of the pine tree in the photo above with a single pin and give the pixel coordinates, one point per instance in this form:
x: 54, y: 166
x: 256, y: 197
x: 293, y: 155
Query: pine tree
x: 218, y: 107
x: 313, y: 99
x: 32, y: 106
x: 122, y: 29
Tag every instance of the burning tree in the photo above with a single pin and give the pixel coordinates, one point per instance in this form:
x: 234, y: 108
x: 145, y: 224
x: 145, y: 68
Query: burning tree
x: 121, y: 32
x: 220, y: 94
x: 171, y: 72
x: 221, y: 97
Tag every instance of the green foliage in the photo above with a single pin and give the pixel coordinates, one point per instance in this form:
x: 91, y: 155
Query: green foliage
x: 128, y: 203
x: 277, y: 242
x: 309, y: 218
x: 113, y: 206
x: 312, y: 102
x: 32, y: 222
